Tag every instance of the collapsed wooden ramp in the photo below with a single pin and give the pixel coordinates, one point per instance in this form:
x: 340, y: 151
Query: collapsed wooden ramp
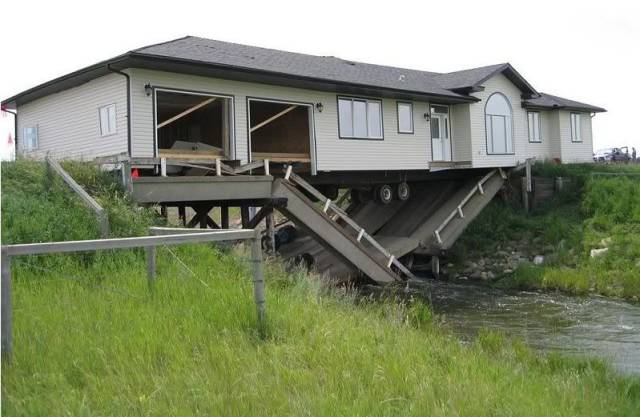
x: 337, y: 234
x: 429, y: 222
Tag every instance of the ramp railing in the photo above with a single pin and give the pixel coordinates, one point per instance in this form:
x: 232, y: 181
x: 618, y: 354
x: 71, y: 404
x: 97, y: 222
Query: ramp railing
x: 330, y: 207
x: 458, y: 210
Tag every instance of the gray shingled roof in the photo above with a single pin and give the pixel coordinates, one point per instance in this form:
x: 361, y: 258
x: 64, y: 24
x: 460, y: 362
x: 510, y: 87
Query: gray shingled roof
x: 469, y: 77
x: 289, y: 63
x: 554, y: 102
x: 215, y: 58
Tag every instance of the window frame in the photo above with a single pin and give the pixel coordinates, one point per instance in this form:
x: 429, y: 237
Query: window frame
x: 576, y: 138
x: 37, y: 137
x: 115, y: 120
x: 367, y: 101
x: 511, y: 127
x: 539, y: 125
x: 410, y: 104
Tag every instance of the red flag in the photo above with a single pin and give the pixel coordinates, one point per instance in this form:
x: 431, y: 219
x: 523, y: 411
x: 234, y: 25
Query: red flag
x: 135, y: 173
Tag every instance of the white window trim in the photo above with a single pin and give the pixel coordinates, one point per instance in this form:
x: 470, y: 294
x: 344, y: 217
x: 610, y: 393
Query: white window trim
x: 537, y: 125
x: 26, y: 147
x: 405, y: 103
x: 508, y: 126
x: 109, y: 131
x: 576, y: 130
x: 367, y: 101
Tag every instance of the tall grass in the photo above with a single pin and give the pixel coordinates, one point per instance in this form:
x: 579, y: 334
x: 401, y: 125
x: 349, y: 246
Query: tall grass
x: 91, y: 340
x: 604, y: 211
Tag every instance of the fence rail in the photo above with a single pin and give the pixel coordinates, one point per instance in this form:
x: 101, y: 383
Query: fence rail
x: 89, y: 201
x: 179, y: 236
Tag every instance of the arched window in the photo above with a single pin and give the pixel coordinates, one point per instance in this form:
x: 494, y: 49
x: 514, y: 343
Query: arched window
x: 499, y: 124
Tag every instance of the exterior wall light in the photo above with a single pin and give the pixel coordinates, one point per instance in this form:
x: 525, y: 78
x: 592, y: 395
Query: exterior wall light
x: 427, y: 117
x: 320, y: 107
x: 147, y: 89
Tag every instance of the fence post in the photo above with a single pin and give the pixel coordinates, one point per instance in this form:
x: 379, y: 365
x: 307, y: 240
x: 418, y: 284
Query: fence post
x: 271, y: 232
x: 258, y: 281
x: 7, y: 322
x: 151, y: 266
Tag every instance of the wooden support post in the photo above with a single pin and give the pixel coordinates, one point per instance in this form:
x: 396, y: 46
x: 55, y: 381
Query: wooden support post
x: 271, y: 235
x: 182, y: 214
x: 435, y: 266
x: 258, y: 282
x: 7, y: 309
x: 151, y: 266
x: 218, y: 167
x: 127, y: 183
x: 163, y: 211
x: 528, y: 175
x: 224, y: 216
x: 244, y: 214
x: 525, y: 195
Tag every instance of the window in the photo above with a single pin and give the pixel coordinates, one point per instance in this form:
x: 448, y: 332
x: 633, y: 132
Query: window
x: 499, y: 125
x: 108, y: 120
x: 360, y: 118
x: 534, y: 126
x: 405, y: 117
x: 30, y: 138
x: 576, y: 127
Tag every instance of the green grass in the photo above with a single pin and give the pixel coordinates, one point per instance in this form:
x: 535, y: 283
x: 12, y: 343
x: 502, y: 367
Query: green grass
x: 600, y: 208
x: 91, y: 340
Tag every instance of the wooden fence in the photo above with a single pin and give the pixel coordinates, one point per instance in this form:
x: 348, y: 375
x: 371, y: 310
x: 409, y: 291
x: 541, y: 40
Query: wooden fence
x: 167, y: 237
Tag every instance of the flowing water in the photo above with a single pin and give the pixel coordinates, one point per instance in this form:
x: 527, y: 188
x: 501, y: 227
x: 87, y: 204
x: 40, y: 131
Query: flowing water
x: 587, y: 326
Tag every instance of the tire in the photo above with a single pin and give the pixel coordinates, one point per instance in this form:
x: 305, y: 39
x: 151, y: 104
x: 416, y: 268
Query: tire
x: 403, y: 192
x: 287, y: 234
x: 384, y: 194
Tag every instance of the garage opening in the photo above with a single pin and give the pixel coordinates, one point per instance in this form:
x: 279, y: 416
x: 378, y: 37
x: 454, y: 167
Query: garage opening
x: 280, y: 132
x: 193, y: 125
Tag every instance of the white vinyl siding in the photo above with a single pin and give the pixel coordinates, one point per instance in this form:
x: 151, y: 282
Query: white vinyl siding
x: 572, y: 151
x: 69, y: 124
x: 395, y: 152
x: 533, y: 119
x: 360, y: 118
x: 30, y: 138
x: 576, y: 128
x: 405, y: 117
x: 108, y: 120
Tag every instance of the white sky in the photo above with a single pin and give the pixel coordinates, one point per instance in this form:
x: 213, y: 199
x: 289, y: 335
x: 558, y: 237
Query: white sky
x: 583, y: 50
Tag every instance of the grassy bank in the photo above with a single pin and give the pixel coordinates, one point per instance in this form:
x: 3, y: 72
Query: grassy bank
x: 603, y: 212
x: 91, y: 340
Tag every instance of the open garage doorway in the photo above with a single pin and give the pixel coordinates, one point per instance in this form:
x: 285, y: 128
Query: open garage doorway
x: 193, y: 125
x: 281, y: 132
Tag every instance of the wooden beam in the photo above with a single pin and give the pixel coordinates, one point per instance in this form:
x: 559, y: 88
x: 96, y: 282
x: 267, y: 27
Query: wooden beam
x: 272, y: 118
x: 188, y: 111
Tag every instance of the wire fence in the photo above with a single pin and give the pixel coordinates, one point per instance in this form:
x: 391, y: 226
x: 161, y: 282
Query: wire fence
x: 163, y: 238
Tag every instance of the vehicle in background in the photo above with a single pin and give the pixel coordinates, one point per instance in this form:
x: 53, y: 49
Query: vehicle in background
x: 612, y: 155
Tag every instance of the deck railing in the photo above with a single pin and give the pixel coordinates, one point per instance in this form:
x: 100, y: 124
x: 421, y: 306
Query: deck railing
x: 362, y: 235
x: 478, y: 188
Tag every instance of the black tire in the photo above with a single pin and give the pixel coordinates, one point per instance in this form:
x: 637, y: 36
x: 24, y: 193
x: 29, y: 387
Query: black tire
x: 384, y: 194
x: 403, y: 192
x: 266, y: 243
x: 287, y: 234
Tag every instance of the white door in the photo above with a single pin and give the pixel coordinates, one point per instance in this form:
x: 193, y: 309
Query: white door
x: 440, y: 138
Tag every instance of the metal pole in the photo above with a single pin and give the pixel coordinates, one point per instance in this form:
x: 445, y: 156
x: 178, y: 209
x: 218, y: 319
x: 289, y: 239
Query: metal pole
x: 258, y: 281
x: 151, y: 266
x: 7, y: 322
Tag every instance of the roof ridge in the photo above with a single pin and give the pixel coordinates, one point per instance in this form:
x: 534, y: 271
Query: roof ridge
x: 161, y: 43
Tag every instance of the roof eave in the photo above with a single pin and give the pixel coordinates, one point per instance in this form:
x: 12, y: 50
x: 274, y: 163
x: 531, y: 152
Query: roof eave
x: 135, y: 59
